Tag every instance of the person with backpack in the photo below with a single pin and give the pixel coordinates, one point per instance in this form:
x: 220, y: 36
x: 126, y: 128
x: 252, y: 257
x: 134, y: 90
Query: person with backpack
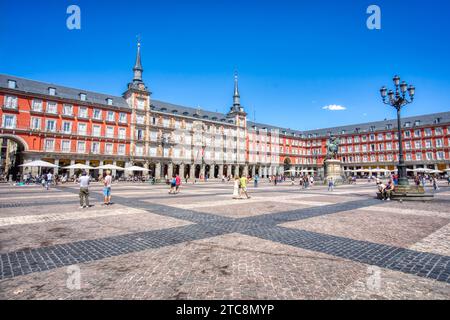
x: 173, y: 185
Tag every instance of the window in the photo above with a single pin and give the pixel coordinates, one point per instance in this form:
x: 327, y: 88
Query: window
x: 364, y: 148
x: 52, y: 107
x: 111, y: 116
x: 428, y: 144
x: 439, y: 143
x: 389, y: 146
x: 357, y: 139
x: 50, y: 125
x: 381, y: 157
x: 428, y: 132
x: 122, y: 133
x: 82, y: 96
x: 408, y: 157
x: 140, y: 119
x: 52, y: 91
x: 364, y: 138
x: 407, y: 124
x: 438, y: 131
x: 9, y: 121
x: 67, y: 127
x: 390, y: 157
x: 68, y: 110
x: 65, y: 146
x: 96, y: 130
x: 418, y: 144
x: 380, y: 136
x: 121, y: 149
x: 110, y: 132
x: 388, y: 136
x: 372, y: 137
x: 140, y: 104
x: 440, y: 155
x: 418, y: 156
x: 139, y: 150
x: 11, y: 102
x: 97, y: 114
x: 153, y: 135
x: 109, y: 102
x: 109, y: 148
x: 349, y: 140
x: 417, y: 123
x: 417, y: 133
x: 35, y: 123
x: 408, y: 145
x: 123, y: 117
x: 81, y: 146
x: 36, y: 105
x: 407, y: 134
x: 95, y: 147
x: 372, y: 158
x: 429, y: 155
x: 11, y: 84
x: 82, y: 112
x: 49, y: 145
x: 82, y: 129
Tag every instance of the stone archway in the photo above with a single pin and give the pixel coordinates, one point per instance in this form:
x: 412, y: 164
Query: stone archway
x: 11, y: 155
x: 287, y: 164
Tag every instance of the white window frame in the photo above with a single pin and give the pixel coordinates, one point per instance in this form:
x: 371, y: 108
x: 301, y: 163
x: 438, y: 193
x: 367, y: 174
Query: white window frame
x: 13, y: 124
x: 53, y: 104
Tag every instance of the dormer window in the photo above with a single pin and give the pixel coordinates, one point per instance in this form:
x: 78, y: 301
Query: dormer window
x: 343, y: 132
x: 109, y: 101
x: 417, y: 123
x: 214, y: 118
x: 185, y: 113
x: 174, y: 111
x: 52, y: 91
x: 407, y: 124
x: 389, y: 126
x: 12, y: 84
x: 205, y: 117
x: 163, y: 109
x: 82, y: 96
x: 437, y: 120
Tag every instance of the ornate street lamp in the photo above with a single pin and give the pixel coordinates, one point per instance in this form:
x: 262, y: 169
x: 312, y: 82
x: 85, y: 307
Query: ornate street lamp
x: 399, y: 99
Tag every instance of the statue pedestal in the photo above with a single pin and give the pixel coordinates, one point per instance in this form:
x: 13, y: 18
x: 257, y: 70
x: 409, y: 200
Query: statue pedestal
x: 333, y: 170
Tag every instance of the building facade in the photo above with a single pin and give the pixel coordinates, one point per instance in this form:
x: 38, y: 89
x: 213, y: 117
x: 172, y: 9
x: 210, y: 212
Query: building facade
x: 67, y: 126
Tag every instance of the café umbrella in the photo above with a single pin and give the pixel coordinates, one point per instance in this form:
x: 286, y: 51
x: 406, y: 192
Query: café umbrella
x: 39, y: 164
x: 79, y: 166
x: 109, y: 167
x: 136, y: 168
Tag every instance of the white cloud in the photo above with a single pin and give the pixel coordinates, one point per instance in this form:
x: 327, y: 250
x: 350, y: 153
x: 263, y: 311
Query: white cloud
x: 334, y: 107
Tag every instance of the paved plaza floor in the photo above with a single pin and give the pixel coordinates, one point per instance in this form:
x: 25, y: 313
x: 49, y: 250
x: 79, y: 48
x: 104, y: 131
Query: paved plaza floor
x: 283, y: 243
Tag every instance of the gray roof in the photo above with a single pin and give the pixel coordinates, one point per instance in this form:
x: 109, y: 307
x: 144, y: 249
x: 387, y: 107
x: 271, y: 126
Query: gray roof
x: 37, y: 87
x: 189, y: 112
x: 424, y: 120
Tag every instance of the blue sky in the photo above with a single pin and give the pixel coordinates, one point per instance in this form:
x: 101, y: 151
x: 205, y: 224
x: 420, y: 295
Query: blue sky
x: 293, y: 57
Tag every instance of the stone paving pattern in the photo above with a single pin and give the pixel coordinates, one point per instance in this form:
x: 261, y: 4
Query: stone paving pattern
x: 283, y: 243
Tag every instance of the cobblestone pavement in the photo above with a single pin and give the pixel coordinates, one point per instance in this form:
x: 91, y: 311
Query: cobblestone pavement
x: 283, y: 243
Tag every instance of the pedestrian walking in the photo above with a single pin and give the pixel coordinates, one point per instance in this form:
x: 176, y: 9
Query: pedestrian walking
x: 49, y: 180
x: 107, y: 182
x: 84, y: 191
x: 173, y: 185
x: 177, y: 183
x: 330, y: 184
x: 244, y: 181
x: 256, y: 181
x: 236, y: 187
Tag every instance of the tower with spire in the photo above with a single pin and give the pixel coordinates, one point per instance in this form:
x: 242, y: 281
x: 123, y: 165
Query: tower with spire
x: 236, y: 109
x: 137, y: 83
x: 138, y: 99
